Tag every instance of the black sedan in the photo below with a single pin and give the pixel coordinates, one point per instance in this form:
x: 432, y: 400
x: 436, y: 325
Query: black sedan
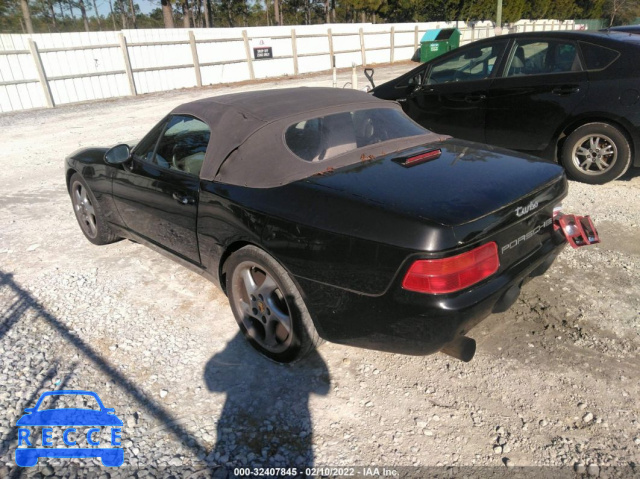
x: 572, y: 97
x: 623, y: 28
x: 329, y: 214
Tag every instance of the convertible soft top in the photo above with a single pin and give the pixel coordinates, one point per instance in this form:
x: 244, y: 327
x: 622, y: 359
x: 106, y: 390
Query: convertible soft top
x: 247, y: 145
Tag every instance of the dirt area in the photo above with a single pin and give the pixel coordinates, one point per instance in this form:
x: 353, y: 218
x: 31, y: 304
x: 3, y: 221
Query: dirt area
x: 555, y: 382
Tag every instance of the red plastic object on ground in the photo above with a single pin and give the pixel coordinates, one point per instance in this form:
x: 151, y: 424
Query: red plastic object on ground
x: 579, y: 230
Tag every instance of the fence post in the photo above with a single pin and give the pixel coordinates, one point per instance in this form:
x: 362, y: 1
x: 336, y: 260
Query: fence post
x: 194, y: 54
x: 127, y: 63
x: 362, y: 50
x: 41, y: 73
x: 393, y: 44
x: 330, y: 37
x: 294, y: 49
x: 247, y: 50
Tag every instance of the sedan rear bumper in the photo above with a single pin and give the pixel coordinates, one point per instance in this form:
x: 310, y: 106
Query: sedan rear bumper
x: 405, y: 322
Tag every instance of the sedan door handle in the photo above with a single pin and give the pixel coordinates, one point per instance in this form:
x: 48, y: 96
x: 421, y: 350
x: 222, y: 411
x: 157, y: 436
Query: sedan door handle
x: 182, y: 199
x: 475, y: 98
x: 565, y: 90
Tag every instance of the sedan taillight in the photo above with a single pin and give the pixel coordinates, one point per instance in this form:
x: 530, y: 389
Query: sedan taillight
x: 447, y: 275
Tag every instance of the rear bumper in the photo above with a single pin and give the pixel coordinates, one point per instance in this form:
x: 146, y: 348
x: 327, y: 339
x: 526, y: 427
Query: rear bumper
x: 405, y: 322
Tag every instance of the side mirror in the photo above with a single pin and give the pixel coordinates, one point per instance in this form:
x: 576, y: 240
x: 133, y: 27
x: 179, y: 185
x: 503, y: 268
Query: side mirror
x: 368, y: 72
x: 117, y: 155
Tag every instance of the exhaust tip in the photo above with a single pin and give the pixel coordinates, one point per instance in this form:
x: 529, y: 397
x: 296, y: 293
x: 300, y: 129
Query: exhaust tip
x: 462, y: 348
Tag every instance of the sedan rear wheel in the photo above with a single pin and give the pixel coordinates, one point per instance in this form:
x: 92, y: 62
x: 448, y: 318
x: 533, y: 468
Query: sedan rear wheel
x: 596, y: 153
x: 268, y: 307
x: 88, y: 213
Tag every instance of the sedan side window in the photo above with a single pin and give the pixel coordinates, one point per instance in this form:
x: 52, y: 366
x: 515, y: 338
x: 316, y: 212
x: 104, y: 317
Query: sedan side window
x: 540, y: 58
x: 598, y: 57
x: 470, y: 65
x: 183, y: 145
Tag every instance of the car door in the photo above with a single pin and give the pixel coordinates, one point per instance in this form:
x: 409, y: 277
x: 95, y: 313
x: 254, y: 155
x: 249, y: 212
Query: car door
x: 156, y: 193
x: 542, y: 82
x: 451, y: 99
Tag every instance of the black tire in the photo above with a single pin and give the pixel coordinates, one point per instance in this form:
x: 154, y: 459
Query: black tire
x: 271, y: 314
x: 92, y: 222
x: 596, y: 153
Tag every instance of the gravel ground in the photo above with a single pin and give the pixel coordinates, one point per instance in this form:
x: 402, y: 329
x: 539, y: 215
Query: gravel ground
x: 555, y: 381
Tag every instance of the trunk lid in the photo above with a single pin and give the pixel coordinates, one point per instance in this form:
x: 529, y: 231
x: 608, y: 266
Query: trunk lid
x: 468, y: 196
x: 465, y: 183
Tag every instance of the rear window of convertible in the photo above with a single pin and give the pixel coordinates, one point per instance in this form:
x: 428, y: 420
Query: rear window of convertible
x: 325, y: 137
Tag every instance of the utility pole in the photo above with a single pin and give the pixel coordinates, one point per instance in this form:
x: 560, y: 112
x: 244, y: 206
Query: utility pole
x: 499, y: 15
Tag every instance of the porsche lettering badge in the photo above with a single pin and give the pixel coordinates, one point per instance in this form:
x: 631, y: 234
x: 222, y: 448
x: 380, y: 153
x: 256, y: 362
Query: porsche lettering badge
x: 527, y: 236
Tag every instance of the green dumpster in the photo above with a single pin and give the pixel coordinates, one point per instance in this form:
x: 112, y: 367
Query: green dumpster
x: 436, y: 42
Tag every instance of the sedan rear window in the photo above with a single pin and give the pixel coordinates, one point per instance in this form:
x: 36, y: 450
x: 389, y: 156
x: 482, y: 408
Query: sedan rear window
x: 325, y: 137
x: 597, y: 57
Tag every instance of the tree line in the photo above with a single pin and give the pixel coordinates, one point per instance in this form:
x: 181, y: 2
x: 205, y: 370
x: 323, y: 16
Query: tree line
x: 45, y: 16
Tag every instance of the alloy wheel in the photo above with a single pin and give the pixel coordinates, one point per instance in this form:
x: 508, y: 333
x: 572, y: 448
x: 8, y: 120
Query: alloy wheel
x: 84, y: 209
x: 594, y: 154
x: 265, y: 313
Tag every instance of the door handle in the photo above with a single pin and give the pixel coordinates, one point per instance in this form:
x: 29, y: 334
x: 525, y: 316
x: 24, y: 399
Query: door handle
x: 182, y: 199
x: 475, y: 98
x: 565, y: 90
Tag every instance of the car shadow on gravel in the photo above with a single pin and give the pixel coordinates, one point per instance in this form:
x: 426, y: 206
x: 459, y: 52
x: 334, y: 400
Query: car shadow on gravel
x: 265, y: 420
x: 25, y: 303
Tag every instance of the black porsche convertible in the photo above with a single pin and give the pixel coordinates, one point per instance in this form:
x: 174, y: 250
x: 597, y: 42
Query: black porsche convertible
x: 329, y: 214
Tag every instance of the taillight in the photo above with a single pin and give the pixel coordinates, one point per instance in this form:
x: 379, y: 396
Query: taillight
x: 446, y: 275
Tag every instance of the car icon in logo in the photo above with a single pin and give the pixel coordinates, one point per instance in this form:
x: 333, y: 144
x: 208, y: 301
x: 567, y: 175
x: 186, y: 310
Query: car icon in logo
x: 68, y: 419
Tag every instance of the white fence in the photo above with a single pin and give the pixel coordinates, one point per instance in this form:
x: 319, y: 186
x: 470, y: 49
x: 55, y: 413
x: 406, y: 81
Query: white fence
x: 45, y: 70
